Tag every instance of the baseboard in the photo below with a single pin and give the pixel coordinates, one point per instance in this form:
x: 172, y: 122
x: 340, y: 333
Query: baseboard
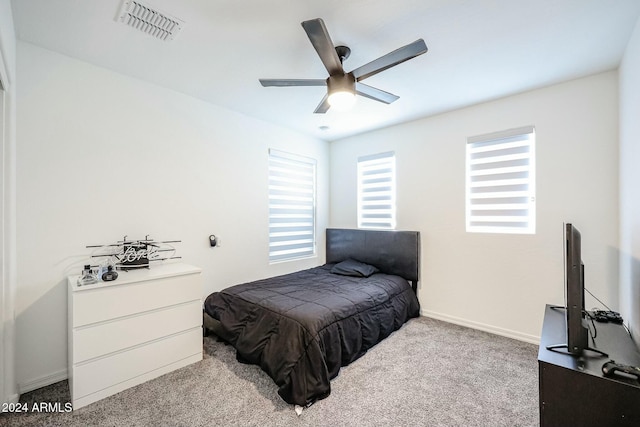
x: 482, y: 327
x: 42, y: 381
x: 13, y: 398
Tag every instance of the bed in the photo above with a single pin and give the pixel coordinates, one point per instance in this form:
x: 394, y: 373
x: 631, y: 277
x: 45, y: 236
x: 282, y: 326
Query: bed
x: 301, y: 328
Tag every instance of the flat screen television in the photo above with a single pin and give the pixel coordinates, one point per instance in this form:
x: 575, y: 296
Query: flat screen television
x: 577, y: 328
x: 576, y: 314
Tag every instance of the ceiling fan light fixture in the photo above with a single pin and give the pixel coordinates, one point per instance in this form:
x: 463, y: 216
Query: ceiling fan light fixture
x: 342, y: 92
x: 342, y: 100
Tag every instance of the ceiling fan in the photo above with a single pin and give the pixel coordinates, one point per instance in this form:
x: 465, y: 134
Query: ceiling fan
x: 341, y: 85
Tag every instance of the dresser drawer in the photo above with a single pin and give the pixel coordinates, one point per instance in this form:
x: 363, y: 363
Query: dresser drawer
x: 108, y: 337
x: 106, y: 303
x: 99, y: 374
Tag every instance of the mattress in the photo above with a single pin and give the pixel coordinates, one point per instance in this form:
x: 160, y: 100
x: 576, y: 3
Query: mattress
x: 301, y: 328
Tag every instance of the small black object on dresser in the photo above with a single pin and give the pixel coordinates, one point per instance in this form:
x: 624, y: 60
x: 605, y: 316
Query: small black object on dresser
x: 611, y: 368
x: 110, y: 274
x: 574, y: 391
x: 606, y: 316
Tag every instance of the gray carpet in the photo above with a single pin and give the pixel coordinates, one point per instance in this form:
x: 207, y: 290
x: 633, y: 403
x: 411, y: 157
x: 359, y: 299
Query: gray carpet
x: 429, y: 373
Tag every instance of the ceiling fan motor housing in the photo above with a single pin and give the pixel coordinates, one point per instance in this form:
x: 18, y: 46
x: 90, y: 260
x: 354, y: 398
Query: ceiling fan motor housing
x: 341, y: 83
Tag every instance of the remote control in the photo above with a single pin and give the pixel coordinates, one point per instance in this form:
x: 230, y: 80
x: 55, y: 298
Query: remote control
x: 611, y: 367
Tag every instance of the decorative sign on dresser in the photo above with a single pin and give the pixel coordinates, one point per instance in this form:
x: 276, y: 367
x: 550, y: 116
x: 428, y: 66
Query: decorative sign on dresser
x: 128, y: 254
x: 122, y: 333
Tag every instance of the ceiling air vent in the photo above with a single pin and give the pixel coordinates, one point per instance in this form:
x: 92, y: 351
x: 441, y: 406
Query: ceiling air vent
x: 149, y: 20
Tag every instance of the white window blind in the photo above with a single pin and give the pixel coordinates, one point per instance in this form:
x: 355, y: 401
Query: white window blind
x: 292, y: 206
x: 501, y: 182
x: 377, y: 191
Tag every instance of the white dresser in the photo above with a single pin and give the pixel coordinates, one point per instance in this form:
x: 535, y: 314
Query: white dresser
x: 142, y: 325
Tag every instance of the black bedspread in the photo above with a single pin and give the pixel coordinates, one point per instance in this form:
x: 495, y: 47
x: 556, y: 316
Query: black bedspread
x: 302, y: 327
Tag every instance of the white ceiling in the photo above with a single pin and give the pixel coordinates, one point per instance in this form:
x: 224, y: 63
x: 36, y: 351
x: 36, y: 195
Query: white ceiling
x: 478, y: 50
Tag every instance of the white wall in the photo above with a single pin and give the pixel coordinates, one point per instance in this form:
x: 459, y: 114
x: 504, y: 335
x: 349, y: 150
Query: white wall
x: 499, y: 282
x: 8, y: 389
x: 629, y: 181
x: 100, y: 156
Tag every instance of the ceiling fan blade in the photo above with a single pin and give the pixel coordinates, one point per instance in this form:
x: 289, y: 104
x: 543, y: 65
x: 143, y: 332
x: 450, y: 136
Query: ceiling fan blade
x: 319, y: 37
x: 375, y: 94
x: 323, y: 106
x: 292, y: 82
x: 391, y: 59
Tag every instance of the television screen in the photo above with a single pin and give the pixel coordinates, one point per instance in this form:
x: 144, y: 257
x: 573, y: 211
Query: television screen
x: 577, y: 329
x: 576, y: 315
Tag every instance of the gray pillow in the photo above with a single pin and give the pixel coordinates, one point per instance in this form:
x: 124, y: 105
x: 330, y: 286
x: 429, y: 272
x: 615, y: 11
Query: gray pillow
x: 351, y: 267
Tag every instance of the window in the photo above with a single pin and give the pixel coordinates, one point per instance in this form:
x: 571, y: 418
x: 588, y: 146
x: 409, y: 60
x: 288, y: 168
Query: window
x: 377, y: 191
x: 501, y: 182
x: 292, y: 206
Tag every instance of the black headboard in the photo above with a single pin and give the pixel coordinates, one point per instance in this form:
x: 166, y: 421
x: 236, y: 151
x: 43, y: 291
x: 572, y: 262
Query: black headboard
x: 393, y: 252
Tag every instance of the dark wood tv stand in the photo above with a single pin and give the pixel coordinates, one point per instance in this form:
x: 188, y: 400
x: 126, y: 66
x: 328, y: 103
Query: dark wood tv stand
x: 573, y: 390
